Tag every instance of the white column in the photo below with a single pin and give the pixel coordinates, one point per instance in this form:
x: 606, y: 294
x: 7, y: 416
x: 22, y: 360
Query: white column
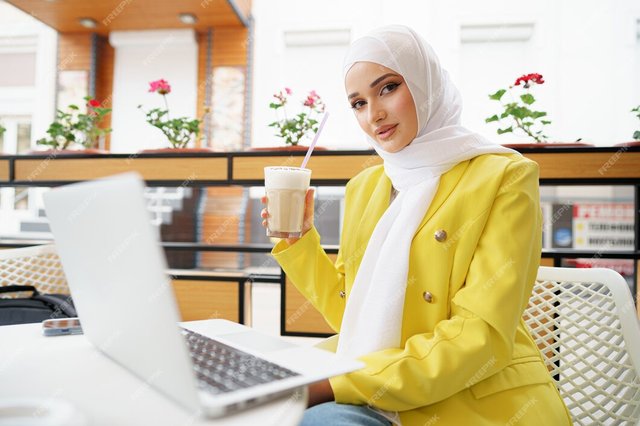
x: 141, y: 57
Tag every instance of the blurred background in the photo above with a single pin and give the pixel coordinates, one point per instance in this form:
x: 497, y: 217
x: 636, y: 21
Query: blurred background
x: 233, y: 56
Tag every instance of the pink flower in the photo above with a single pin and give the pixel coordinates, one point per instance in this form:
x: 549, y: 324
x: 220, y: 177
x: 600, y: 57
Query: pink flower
x: 282, y: 97
x: 161, y: 86
x: 313, y: 101
x: 310, y: 102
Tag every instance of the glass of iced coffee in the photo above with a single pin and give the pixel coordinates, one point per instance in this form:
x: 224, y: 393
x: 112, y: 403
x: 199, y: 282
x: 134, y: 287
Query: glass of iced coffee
x: 286, y: 188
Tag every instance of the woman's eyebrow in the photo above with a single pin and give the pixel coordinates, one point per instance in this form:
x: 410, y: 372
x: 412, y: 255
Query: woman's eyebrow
x: 379, y: 79
x: 376, y: 81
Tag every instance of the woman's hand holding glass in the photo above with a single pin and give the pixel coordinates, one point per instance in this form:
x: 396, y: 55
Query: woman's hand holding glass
x: 308, y: 214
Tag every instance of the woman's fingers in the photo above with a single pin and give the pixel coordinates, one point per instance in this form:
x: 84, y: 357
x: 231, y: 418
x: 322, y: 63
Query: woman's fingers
x: 264, y: 213
x: 309, y: 203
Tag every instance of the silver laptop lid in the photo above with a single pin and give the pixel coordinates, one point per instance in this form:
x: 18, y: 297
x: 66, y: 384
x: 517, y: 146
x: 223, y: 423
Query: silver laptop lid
x: 116, y: 271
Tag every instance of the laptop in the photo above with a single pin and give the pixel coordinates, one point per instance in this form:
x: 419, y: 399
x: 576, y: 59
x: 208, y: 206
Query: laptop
x: 117, y: 274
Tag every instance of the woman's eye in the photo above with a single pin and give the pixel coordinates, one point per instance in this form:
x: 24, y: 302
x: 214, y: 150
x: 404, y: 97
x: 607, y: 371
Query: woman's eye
x: 357, y: 105
x: 389, y: 88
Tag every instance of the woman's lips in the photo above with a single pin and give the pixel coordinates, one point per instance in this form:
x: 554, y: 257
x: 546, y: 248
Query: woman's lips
x: 387, y: 133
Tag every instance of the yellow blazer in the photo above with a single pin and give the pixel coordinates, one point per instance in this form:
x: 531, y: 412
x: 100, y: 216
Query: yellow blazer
x: 465, y: 355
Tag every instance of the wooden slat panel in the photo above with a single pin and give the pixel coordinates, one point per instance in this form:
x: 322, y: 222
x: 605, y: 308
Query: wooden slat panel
x: 300, y: 315
x: 546, y: 261
x: 104, y: 82
x: 113, y: 15
x: 199, y: 300
x: 74, y: 52
x: 4, y: 170
x: 230, y: 46
x: 324, y: 167
x: 620, y: 164
x: 221, y: 225
x: 203, y: 76
x: 187, y: 169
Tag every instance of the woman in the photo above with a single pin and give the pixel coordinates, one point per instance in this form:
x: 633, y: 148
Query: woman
x: 438, y: 255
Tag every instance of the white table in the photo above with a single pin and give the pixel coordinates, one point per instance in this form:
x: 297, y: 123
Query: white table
x: 70, y: 368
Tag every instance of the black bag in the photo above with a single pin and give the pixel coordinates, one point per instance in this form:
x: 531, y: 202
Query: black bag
x: 36, y: 308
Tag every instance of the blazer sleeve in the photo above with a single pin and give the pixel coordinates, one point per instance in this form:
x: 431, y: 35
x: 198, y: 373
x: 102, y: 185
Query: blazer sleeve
x: 477, y: 340
x: 317, y: 277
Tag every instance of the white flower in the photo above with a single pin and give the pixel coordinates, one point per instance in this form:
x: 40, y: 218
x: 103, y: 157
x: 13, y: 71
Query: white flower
x: 61, y: 139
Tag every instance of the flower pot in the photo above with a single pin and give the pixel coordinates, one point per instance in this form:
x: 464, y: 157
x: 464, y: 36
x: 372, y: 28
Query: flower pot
x: 286, y: 148
x: 176, y: 150
x: 628, y: 144
x: 57, y: 152
x: 546, y: 145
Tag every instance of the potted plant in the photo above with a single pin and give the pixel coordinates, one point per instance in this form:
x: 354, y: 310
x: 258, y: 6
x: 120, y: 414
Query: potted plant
x: 518, y: 115
x: 75, y: 132
x: 296, y: 128
x: 636, y: 134
x: 180, y: 131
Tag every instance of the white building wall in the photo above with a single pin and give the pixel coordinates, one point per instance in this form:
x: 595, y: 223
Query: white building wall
x: 20, y: 32
x: 587, y: 50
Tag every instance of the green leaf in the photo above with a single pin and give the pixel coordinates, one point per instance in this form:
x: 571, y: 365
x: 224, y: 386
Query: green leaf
x: 520, y: 112
x: 504, y: 114
x: 545, y: 121
x: 507, y: 130
x: 527, y: 98
x: 498, y: 95
x: 491, y: 119
x: 636, y: 135
x: 538, y: 114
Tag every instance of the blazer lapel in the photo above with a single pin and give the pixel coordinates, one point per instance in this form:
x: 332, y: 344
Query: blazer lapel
x: 448, y: 182
x: 379, y: 202
x: 377, y: 205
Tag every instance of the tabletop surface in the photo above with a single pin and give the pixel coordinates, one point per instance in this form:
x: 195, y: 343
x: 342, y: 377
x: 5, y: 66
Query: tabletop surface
x: 71, y: 369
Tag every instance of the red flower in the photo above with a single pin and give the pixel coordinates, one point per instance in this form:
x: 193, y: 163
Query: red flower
x: 289, y: 91
x: 93, y: 103
x: 533, y: 77
x: 161, y: 86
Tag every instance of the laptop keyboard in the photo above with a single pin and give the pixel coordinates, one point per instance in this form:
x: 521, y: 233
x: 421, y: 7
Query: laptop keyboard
x: 221, y: 368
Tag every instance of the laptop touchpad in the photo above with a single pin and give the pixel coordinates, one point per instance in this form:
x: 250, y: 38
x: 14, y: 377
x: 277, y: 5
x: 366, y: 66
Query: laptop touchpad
x: 257, y: 341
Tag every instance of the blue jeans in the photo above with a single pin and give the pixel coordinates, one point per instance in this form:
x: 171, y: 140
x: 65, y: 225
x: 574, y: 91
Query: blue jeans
x: 331, y: 413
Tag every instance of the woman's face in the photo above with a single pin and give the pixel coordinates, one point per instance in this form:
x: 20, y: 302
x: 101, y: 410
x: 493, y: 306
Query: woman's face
x: 383, y: 105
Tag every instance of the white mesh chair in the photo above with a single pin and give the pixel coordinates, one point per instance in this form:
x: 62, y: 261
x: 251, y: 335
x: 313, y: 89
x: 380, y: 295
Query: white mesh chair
x: 38, y: 266
x: 584, y: 322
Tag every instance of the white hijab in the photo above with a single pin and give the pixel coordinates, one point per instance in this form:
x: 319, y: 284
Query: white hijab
x: 372, y: 319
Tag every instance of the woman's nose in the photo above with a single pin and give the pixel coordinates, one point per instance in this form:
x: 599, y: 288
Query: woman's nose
x: 376, y: 113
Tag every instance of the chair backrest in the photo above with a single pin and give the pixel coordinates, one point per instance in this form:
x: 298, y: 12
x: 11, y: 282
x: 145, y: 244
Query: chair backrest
x: 38, y: 266
x: 584, y: 322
